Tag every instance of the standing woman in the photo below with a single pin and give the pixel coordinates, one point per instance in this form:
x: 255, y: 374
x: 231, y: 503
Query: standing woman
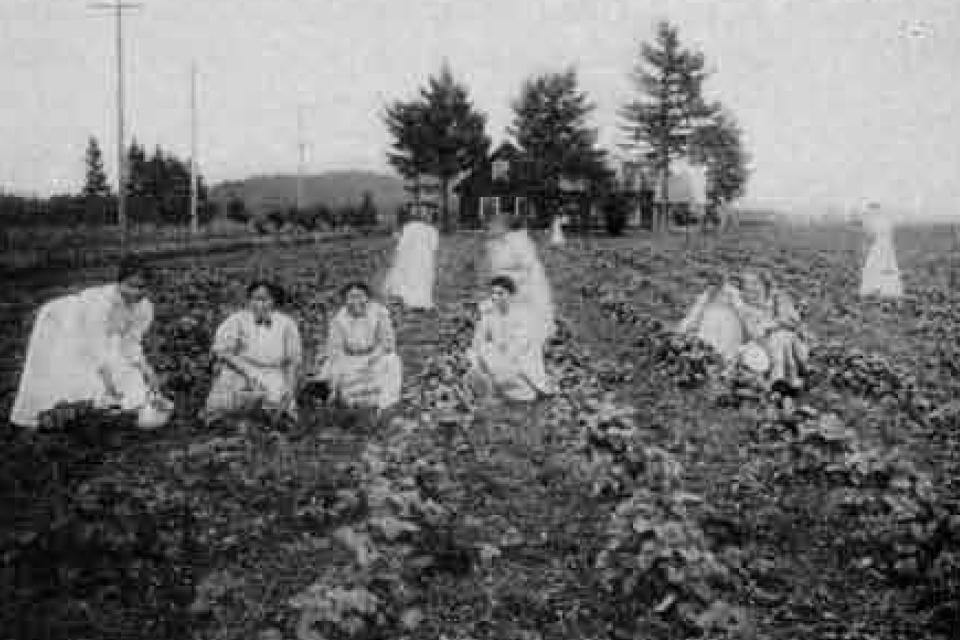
x: 258, y: 353
x: 413, y: 273
x: 514, y: 255
x: 87, y: 347
x: 362, y: 366
x: 881, y: 275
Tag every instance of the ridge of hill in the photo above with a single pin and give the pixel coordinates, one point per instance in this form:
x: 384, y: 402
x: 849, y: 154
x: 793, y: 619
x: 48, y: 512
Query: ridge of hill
x: 332, y: 188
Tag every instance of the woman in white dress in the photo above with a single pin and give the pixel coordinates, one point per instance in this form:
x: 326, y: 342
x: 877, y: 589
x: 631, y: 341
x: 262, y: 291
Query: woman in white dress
x: 881, y: 275
x: 412, y: 276
x: 715, y: 319
x: 773, y: 330
x: 505, y: 359
x: 362, y: 367
x: 258, y: 354
x: 513, y: 254
x: 87, y: 347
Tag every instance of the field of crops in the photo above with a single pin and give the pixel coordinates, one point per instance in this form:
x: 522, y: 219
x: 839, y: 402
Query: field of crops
x: 643, y: 501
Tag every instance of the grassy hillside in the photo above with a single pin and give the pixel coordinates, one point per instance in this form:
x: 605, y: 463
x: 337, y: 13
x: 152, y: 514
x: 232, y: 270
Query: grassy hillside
x: 334, y: 189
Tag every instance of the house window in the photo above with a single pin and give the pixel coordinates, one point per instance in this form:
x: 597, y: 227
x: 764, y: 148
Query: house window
x: 501, y: 169
x: 488, y: 207
x: 508, y: 205
x: 522, y: 207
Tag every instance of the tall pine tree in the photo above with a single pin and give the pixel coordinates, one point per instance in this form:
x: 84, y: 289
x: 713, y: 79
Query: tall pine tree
x: 670, y: 104
x: 440, y: 134
x: 550, y: 127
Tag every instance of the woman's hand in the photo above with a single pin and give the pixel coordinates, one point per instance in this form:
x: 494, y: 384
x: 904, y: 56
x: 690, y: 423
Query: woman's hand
x: 374, y: 358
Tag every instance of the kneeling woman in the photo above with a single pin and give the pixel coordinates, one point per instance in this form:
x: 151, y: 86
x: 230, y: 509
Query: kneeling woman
x: 362, y: 366
x: 715, y: 319
x: 258, y: 352
x: 505, y: 358
x: 87, y: 348
x: 772, y: 326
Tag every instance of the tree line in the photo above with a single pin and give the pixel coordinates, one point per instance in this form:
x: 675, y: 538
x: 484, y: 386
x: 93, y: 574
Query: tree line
x: 441, y: 134
x: 364, y: 216
x: 157, y: 189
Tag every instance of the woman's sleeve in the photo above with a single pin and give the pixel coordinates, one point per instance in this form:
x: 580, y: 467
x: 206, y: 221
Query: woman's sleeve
x: 693, y: 315
x: 227, y: 338
x: 293, y: 346
x: 481, y: 332
x: 335, y: 338
x: 131, y: 342
x: 386, y: 339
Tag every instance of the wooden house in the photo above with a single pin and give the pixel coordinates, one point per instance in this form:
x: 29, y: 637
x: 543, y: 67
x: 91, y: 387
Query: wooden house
x: 509, y: 184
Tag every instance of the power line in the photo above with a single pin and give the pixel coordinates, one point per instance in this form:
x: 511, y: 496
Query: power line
x: 118, y: 8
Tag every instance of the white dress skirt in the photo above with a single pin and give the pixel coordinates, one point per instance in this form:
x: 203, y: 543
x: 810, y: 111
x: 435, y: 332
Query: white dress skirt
x: 412, y: 276
x: 881, y: 274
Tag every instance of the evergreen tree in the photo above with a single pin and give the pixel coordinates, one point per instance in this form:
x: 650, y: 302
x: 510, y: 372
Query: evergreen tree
x: 670, y: 105
x: 158, y: 188
x: 719, y: 146
x: 550, y: 127
x: 140, y: 206
x: 440, y: 134
x: 96, y: 184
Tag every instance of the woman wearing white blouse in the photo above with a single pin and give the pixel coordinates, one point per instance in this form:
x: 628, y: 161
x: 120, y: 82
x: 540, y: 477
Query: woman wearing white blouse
x: 362, y: 366
x: 258, y: 353
x: 86, y: 347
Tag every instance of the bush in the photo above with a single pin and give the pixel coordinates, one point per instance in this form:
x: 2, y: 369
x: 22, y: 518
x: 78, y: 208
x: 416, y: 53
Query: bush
x: 237, y: 211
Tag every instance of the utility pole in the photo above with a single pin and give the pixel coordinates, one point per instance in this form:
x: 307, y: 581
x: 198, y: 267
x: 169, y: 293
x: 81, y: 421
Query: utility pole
x: 301, y: 156
x: 194, y: 220
x: 118, y: 7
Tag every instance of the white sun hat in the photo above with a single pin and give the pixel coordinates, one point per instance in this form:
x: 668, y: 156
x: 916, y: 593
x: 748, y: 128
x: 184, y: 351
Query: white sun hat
x: 755, y: 358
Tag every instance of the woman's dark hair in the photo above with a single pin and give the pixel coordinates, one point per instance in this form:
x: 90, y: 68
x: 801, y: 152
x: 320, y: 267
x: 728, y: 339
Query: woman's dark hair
x: 504, y: 281
x: 131, y: 266
x: 276, y: 291
x: 516, y: 223
x: 355, y: 284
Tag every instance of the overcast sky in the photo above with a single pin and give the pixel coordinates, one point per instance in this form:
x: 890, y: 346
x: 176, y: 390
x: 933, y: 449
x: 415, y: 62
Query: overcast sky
x: 840, y: 99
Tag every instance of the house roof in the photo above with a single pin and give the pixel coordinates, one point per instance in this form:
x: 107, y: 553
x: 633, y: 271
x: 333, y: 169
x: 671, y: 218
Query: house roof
x: 505, y: 151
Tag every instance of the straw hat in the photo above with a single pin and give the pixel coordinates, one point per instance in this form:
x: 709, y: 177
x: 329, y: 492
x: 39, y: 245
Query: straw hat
x: 755, y: 358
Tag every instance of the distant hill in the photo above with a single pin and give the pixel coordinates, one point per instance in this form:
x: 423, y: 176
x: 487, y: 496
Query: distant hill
x: 333, y: 188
